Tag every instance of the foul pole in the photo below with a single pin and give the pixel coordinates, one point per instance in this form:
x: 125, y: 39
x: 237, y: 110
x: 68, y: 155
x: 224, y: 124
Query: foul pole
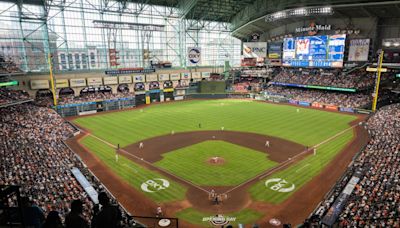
x: 53, y: 90
x: 377, y: 81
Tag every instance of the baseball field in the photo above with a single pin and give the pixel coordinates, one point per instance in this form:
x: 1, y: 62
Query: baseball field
x: 248, y: 161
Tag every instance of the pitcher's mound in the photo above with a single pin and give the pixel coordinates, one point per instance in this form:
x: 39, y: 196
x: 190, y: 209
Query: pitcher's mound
x: 215, y: 161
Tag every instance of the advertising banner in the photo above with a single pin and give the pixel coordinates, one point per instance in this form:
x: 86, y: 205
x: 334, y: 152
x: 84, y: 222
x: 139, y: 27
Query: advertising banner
x: 40, y: 84
x: 139, y: 78
x: 331, y: 107
x: 185, y: 76
x: 125, y: 79
x: 205, y: 74
x: 346, y: 109
x: 359, y: 49
x: 175, y: 77
x: 292, y: 101
x: 163, y: 77
x: 62, y: 83
x: 255, y: 49
x: 317, y: 105
x: 194, y: 55
x: 196, y: 75
x: 94, y: 81
x: 77, y: 82
x: 274, y: 50
x: 110, y: 80
x: 151, y: 77
x: 304, y: 103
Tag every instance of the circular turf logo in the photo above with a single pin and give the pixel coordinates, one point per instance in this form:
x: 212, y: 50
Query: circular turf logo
x: 219, y: 220
x: 279, y: 185
x: 155, y: 185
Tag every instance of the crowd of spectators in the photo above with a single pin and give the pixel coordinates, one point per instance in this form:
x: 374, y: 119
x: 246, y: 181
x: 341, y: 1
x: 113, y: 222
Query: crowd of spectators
x: 359, y: 79
x: 8, y: 96
x: 95, y: 96
x: 7, y: 66
x: 375, y: 201
x: 350, y: 100
x: 35, y: 158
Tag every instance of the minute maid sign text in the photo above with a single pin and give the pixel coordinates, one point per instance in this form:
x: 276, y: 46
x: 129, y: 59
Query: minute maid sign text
x: 194, y: 55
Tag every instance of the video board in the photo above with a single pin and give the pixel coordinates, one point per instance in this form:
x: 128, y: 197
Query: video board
x: 314, y: 51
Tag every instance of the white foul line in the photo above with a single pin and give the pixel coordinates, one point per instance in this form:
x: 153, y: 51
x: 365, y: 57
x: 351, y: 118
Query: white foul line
x: 290, y: 160
x: 308, y: 164
x: 148, y: 163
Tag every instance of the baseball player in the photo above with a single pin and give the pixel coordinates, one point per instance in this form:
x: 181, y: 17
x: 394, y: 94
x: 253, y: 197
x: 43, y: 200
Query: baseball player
x: 141, y: 145
x: 267, y: 143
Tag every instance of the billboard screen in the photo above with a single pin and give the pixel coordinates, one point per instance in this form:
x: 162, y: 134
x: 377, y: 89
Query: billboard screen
x: 255, y: 49
x: 275, y: 50
x: 314, y: 51
x: 359, y: 49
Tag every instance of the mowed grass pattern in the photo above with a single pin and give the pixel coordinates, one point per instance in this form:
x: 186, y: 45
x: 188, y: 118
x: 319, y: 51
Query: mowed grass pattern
x: 133, y: 173
x: 308, y: 127
x: 240, y: 163
x: 301, y: 172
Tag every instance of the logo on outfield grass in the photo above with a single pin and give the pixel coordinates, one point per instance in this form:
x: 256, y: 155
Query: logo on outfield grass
x: 279, y: 185
x: 219, y: 220
x: 155, y: 185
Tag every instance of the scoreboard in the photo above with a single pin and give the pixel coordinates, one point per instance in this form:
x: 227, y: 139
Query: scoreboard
x: 314, y: 51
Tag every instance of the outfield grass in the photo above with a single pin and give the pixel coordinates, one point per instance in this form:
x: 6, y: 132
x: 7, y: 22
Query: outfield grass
x: 133, y: 173
x: 302, y: 172
x: 308, y: 127
x: 245, y: 216
x: 191, y: 164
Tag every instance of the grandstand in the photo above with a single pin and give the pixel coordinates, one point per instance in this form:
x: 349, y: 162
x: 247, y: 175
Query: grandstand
x: 195, y: 113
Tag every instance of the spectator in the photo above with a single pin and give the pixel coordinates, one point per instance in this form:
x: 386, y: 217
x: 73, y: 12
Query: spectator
x: 109, y: 216
x: 75, y: 219
x: 53, y: 220
x: 33, y: 215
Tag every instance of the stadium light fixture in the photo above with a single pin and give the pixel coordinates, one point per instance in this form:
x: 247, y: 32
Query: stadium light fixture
x: 299, y: 12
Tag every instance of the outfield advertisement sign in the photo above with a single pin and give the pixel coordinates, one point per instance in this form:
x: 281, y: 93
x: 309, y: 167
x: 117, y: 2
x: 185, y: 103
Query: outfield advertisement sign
x: 359, y: 49
x: 77, y: 82
x: 194, y: 55
x: 139, y: 78
x: 110, y: 80
x: 40, y: 84
x: 62, y: 83
x: 94, y: 81
x: 175, y: 77
x: 125, y: 79
x: 304, y: 103
x: 255, y: 49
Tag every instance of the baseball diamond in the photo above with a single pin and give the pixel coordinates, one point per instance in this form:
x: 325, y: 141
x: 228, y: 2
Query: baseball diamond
x: 175, y: 170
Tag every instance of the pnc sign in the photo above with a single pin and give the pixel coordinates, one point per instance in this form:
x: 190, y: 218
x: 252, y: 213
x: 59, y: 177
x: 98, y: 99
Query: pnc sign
x: 154, y: 185
x: 279, y: 185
